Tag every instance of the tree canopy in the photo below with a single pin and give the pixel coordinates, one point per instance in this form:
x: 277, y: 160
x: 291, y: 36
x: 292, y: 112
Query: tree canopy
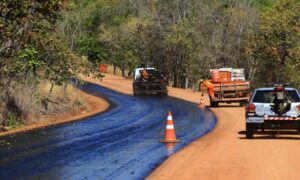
x: 51, y: 40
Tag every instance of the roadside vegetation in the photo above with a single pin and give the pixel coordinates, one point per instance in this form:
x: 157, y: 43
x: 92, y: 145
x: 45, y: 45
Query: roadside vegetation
x: 45, y: 43
x: 35, y: 53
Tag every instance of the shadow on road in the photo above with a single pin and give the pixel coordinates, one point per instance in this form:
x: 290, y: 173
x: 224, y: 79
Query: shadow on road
x: 284, y: 134
x: 225, y: 105
x: 151, y: 96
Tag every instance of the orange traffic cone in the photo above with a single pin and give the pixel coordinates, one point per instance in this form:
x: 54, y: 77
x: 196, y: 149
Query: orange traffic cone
x: 170, y: 136
x: 201, y: 104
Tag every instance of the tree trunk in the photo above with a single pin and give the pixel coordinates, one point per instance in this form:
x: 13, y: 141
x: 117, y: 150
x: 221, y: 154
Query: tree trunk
x: 51, y: 88
x: 123, y: 70
x: 186, y: 83
x: 129, y: 73
x: 175, y: 81
x: 115, y: 68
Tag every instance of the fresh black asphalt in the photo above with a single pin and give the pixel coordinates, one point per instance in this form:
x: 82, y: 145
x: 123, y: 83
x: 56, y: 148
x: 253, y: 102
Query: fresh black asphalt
x: 121, y: 143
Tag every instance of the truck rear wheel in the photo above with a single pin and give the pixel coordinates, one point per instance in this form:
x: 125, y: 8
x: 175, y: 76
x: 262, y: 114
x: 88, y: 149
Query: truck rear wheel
x: 214, y: 104
x: 135, y: 91
x: 243, y: 103
x: 163, y: 94
x: 249, y: 130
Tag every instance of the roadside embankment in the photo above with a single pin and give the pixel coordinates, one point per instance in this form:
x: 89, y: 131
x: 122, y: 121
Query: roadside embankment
x: 93, y: 105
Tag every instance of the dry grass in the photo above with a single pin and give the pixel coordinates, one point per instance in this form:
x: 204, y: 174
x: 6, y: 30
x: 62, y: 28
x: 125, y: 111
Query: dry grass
x: 17, y: 104
x: 32, y: 103
x: 65, y: 93
x: 60, y: 98
x: 22, y: 95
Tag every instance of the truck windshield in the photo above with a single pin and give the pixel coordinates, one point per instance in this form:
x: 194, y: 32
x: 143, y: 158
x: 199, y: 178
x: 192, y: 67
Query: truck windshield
x: 267, y: 96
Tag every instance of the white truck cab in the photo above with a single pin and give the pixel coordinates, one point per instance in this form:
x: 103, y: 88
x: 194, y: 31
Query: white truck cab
x: 137, y: 72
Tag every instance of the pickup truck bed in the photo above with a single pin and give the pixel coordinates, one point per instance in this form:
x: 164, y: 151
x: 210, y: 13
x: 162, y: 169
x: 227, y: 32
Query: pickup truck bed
x: 227, y: 92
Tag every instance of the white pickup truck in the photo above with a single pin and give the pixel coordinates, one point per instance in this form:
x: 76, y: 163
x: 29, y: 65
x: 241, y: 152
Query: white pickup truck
x: 275, y: 107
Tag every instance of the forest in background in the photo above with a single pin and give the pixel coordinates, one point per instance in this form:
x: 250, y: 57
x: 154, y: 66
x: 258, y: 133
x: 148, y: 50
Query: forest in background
x: 186, y: 38
x: 49, y: 42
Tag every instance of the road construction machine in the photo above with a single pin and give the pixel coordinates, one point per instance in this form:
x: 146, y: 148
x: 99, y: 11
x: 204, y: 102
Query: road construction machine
x: 149, y: 81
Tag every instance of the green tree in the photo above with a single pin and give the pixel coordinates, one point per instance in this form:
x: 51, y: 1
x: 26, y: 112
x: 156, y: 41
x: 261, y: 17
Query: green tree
x: 31, y: 50
x: 277, y: 43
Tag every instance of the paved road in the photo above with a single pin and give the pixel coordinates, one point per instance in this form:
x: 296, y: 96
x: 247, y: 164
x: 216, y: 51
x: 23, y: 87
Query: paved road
x: 122, y: 143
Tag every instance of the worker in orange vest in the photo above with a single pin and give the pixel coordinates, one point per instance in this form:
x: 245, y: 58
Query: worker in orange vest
x: 145, y: 74
x: 209, y: 85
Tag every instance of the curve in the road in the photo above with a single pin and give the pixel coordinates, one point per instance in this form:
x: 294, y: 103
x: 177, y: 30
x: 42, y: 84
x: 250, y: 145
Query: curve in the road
x: 121, y: 143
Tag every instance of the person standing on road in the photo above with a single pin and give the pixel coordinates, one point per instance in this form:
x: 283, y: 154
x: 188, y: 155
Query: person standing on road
x: 145, y: 73
x: 209, y: 85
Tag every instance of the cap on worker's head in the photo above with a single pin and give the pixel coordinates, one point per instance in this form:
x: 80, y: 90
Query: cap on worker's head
x: 201, y: 80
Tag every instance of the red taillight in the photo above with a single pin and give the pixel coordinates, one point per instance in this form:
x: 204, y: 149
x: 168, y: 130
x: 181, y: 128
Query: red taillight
x: 279, y: 89
x: 251, y: 108
x: 298, y: 107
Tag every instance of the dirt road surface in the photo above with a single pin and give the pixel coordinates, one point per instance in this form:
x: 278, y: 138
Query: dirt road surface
x: 224, y: 153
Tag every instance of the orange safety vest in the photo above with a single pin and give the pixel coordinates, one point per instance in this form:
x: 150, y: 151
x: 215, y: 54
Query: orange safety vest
x: 210, y: 87
x: 145, y: 74
x: 207, y: 84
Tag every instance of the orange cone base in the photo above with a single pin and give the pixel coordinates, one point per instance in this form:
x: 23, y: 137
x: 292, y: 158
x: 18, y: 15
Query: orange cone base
x: 170, y: 141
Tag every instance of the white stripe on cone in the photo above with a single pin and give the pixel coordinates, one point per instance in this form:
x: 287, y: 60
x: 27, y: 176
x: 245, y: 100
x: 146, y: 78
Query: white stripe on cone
x: 170, y: 127
x: 169, y: 118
